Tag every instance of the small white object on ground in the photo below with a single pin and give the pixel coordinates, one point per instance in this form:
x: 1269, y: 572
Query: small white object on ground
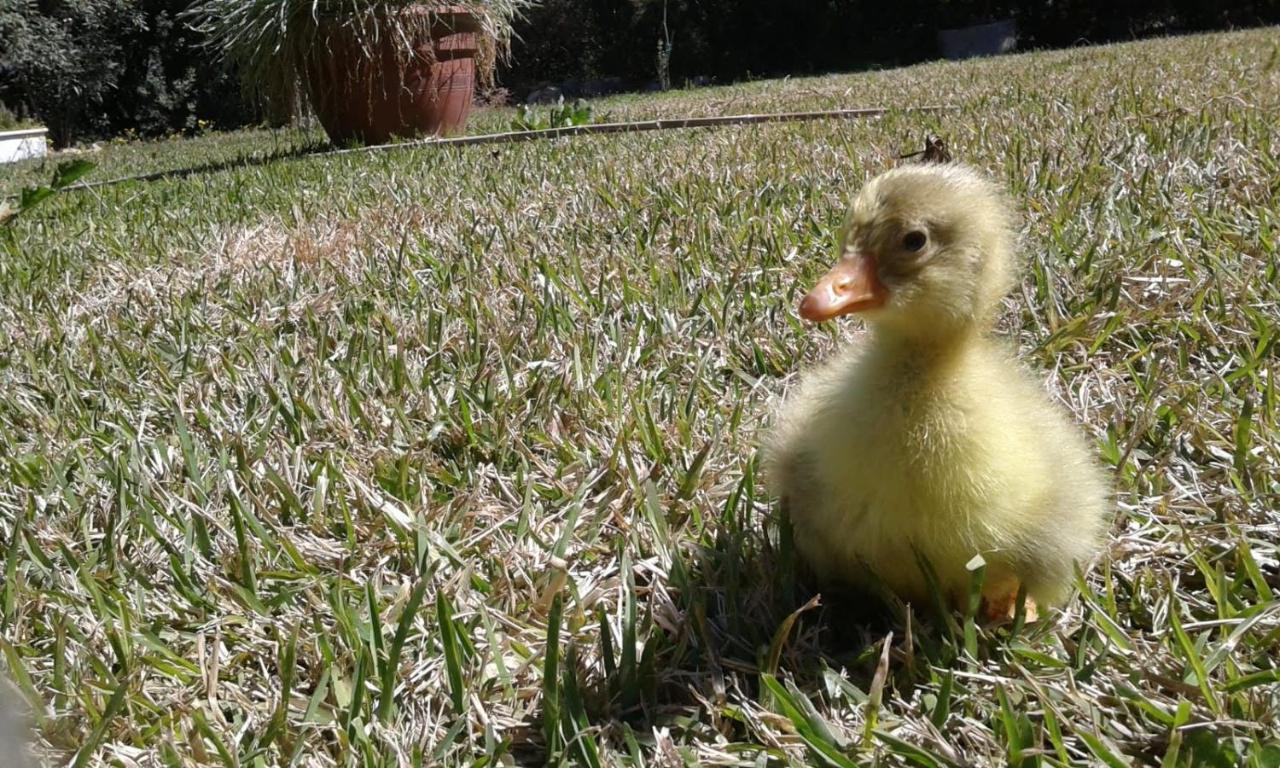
x: 23, y: 144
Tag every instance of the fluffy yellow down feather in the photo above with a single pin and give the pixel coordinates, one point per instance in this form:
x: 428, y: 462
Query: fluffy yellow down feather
x: 927, y: 437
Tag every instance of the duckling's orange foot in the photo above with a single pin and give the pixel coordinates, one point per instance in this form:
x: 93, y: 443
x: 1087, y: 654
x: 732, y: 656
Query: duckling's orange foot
x: 1004, y: 605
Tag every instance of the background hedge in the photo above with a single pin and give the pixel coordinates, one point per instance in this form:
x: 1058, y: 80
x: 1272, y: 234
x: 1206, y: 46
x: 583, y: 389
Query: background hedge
x: 95, y: 68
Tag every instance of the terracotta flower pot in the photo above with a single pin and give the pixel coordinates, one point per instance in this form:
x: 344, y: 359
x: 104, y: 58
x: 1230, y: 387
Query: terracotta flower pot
x: 369, y: 90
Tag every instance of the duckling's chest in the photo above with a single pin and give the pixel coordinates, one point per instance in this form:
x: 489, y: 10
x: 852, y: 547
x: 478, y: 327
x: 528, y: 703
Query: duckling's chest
x: 899, y: 462
x: 909, y: 449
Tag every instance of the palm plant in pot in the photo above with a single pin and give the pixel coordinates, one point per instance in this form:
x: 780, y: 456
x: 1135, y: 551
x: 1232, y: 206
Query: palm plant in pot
x: 371, y: 69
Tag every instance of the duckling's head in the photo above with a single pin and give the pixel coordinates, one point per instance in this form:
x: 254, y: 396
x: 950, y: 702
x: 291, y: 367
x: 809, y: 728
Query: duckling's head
x: 925, y: 250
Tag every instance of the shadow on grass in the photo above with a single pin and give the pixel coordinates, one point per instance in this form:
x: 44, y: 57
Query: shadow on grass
x: 742, y: 607
x: 731, y: 609
x: 251, y: 161
x: 764, y: 613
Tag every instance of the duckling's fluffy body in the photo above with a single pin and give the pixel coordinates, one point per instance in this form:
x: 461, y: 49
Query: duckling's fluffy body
x: 961, y: 456
x: 927, y: 438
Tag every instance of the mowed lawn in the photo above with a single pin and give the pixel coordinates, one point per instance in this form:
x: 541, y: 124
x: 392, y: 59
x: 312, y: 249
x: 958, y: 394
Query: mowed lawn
x: 450, y: 456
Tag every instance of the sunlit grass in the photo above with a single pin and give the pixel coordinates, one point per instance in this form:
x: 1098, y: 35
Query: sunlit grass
x: 450, y: 456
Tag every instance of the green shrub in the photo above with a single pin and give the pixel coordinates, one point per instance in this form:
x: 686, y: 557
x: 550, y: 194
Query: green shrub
x: 735, y: 39
x: 9, y: 121
x: 90, y: 68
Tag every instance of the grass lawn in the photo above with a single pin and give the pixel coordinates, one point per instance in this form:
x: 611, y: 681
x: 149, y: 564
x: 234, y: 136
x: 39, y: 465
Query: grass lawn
x: 450, y: 456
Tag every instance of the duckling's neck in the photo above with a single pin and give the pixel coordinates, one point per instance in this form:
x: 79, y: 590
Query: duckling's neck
x: 936, y: 347
x: 919, y: 373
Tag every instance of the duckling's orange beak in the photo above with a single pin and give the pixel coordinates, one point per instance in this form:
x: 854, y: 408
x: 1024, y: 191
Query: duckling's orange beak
x: 851, y: 286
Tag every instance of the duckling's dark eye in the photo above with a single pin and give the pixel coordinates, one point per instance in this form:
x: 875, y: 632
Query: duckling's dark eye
x: 913, y: 241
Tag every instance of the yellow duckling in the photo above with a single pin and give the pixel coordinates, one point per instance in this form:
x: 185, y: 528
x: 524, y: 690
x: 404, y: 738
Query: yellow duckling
x: 927, y: 438
x: 14, y: 734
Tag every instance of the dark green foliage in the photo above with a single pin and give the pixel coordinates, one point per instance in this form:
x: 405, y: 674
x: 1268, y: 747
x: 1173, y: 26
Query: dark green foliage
x: 60, y: 61
x: 10, y: 121
x: 735, y: 39
x: 93, y: 68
